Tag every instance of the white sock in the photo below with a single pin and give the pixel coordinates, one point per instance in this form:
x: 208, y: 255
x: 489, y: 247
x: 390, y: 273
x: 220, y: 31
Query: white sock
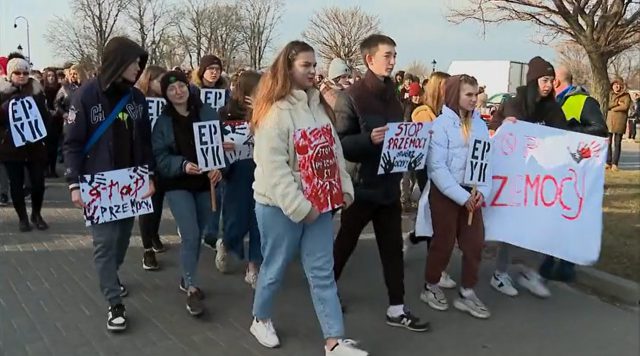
x: 466, y: 292
x: 395, y: 311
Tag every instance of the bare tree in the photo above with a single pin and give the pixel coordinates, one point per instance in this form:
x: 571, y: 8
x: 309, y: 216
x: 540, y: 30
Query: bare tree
x: 604, y: 28
x: 151, y: 22
x: 223, y: 35
x: 573, y: 57
x: 259, y: 20
x: 84, y: 40
x: 191, y: 29
x: 336, y: 33
x: 418, y: 68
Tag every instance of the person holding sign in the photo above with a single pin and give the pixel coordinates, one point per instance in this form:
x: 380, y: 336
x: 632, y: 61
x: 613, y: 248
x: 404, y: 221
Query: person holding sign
x: 187, y: 186
x: 238, y: 215
x: 361, y: 121
x: 108, y: 129
x: 289, y: 224
x: 149, y: 85
x: 451, y: 202
x: 23, y: 120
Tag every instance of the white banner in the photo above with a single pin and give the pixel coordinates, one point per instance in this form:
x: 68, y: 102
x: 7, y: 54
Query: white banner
x: 25, y: 121
x: 208, y: 145
x: 213, y: 97
x: 155, y: 106
x: 478, y: 160
x: 548, y: 187
x: 405, y: 147
x: 238, y: 133
x: 115, y: 195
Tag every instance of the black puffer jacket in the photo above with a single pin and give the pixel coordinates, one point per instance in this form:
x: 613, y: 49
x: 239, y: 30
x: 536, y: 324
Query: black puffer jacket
x: 527, y: 106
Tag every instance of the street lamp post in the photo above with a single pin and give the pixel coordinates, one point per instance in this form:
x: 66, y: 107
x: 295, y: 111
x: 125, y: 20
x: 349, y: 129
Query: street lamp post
x: 433, y: 63
x: 15, y: 25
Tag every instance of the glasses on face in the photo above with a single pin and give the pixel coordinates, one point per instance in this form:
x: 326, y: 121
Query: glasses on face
x: 21, y: 73
x: 214, y: 69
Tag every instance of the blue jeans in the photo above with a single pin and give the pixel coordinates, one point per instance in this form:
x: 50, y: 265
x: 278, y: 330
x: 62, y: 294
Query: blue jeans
x: 192, y: 211
x: 211, y: 230
x: 238, y: 215
x: 282, y: 240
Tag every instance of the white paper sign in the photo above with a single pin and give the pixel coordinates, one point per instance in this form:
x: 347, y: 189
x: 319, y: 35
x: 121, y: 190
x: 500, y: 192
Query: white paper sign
x: 238, y: 132
x: 405, y: 147
x: 155, y: 109
x: 115, y: 195
x: 25, y: 121
x: 478, y: 160
x: 548, y: 186
x: 208, y: 139
x: 213, y: 97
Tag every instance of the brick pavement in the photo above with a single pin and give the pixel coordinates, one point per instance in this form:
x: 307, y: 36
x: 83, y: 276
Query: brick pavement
x: 50, y: 305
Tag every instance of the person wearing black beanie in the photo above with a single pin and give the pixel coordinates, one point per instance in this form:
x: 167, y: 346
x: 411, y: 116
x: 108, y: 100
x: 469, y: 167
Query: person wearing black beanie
x: 125, y: 143
x: 209, y: 73
x: 187, y: 187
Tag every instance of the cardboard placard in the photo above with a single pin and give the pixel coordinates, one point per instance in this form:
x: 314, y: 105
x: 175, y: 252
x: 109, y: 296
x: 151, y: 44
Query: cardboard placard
x: 405, y: 147
x: 25, y: 121
x: 208, y: 139
x: 155, y: 105
x: 238, y: 133
x: 213, y: 97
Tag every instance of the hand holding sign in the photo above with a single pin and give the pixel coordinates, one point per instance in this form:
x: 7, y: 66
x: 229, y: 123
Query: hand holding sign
x: 377, y: 135
x: 192, y: 169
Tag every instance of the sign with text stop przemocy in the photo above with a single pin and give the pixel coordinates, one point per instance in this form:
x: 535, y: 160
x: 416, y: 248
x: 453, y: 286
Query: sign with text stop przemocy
x: 478, y: 161
x: 208, y: 139
x: 213, y: 97
x: 25, y: 121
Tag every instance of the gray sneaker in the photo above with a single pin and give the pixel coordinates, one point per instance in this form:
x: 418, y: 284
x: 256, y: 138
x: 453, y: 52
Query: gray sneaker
x: 472, y: 305
x: 435, y: 298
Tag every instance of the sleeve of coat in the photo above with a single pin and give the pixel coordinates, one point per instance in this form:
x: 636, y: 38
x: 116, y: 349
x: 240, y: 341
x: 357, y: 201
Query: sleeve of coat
x: 357, y: 145
x: 168, y: 165
x: 75, y: 138
x: 592, y: 120
x: 438, y: 169
x: 623, y: 104
x: 272, y: 141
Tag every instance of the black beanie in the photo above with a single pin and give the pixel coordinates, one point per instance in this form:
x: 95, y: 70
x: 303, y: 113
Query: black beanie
x: 539, y: 68
x: 170, y: 78
x: 207, y: 61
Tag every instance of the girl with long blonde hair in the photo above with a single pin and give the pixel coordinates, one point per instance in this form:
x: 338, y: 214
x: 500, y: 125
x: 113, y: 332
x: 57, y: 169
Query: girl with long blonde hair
x: 287, y: 101
x: 432, y: 99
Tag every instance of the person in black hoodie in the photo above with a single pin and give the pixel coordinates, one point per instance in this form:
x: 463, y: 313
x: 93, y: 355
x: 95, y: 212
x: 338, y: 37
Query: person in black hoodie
x: 362, y: 116
x: 126, y: 143
x: 54, y: 129
x: 535, y: 103
x: 30, y: 156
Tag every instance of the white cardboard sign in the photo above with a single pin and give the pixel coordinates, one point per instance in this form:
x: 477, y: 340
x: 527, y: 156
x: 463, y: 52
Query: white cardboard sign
x: 213, y: 97
x: 405, y: 147
x: 478, y: 160
x: 25, y: 121
x: 208, y: 139
x: 155, y: 106
x: 238, y: 133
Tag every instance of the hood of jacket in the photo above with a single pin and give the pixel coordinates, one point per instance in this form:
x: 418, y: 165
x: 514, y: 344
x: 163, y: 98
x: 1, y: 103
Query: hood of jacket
x: 197, y: 81
x: 118, y: 54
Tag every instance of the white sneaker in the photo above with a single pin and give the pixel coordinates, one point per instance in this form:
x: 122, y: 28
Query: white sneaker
x: 221, y: 257
x: 251, y: 278
x: 472, y: 305
x: 346, y: 347
x: 265, y: 333
x: 446, y: 281
x: 532, y: 281
x: 434, y: 297
x: 503, y: 284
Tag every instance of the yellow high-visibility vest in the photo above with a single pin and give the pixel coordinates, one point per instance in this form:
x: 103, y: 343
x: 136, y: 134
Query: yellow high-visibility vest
x: 573, y: 106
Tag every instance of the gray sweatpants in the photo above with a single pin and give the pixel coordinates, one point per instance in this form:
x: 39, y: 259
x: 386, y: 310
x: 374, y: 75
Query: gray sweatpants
x: 505, y: 252
x: 4, y: 180
x: 110, y: 243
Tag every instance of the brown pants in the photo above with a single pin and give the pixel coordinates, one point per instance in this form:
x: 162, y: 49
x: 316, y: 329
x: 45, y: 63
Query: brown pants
x: 450, y: 222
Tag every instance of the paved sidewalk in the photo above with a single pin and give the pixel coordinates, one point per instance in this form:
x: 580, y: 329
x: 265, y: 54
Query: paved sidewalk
x: 50, y: 305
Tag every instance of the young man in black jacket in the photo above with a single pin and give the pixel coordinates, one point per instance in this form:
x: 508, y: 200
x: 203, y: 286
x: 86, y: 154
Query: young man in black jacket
x: 126, y: 143
x: 362, y: 115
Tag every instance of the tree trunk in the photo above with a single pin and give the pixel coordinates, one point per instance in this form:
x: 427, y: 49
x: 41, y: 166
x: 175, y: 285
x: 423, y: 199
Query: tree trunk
x: 601, y: 84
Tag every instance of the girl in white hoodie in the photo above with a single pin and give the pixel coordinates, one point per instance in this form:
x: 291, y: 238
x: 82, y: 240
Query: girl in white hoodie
x: 451, y: 202
x: 286, y: 101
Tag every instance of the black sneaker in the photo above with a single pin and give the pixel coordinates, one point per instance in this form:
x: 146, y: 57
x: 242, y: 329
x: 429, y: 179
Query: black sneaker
x: 194, y: 303
x: 198, y: 291
x: 24, y: 225
x: 116, y: 318
x: 408, y: 321
x: 158, y: 246
x: 149, y: 262
x: 123, y: 291
x: 4, y: 200
x: 39, y: 222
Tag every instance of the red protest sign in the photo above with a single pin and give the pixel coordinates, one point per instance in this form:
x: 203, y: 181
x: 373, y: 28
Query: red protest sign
x: 318, y: 166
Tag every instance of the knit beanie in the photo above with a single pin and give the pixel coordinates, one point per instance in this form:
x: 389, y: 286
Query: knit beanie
x: 17, y: 65
x: 338, y: 68
x: 170, y: 78
x: 414, y: 89
x: 207, y: 61
x: 539, y: 68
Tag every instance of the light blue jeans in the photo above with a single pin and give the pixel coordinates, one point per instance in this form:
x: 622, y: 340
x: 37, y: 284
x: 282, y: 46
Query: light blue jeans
x: 282, y: 240
x: 192, y: 211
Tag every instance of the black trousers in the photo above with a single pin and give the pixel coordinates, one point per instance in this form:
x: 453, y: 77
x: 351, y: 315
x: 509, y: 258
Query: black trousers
x: 54, y: 134
x: 150, y: 223
x: 16, y: 173
x: 613, y: 156
x: 632, y: 128
x: 387, y: 225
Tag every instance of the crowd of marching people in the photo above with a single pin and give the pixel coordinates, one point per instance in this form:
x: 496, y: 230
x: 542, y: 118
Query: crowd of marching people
x: 102, y: 124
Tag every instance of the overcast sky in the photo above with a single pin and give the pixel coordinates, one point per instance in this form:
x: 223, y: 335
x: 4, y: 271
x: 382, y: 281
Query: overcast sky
x: 418, y: 26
